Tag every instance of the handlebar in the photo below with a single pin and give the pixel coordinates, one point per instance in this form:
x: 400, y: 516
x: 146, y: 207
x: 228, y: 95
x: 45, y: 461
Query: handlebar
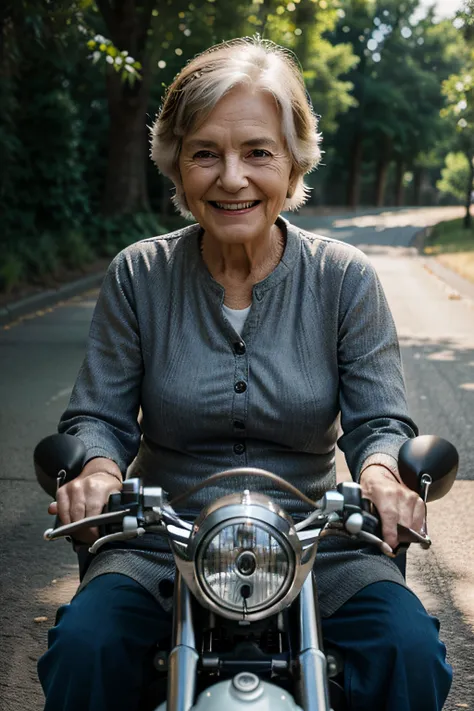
x: 137, y: 510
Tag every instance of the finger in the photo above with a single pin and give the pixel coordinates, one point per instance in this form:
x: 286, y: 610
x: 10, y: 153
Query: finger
x: 62, y: 502
x: 53, y: 508
x: 97, y: 494
x: 411, y: 516
x: 77, y: 509
x: 77, y: 504
x: 389, y: 517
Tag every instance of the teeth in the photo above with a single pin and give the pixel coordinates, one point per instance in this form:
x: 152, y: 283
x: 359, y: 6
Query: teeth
x: 235, y: 205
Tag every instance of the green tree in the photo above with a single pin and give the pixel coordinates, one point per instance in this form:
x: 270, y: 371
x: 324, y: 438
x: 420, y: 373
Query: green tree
x: 455, y: 176
x: 42, y: 186
x: 397, y: 88
x: 459, y: 92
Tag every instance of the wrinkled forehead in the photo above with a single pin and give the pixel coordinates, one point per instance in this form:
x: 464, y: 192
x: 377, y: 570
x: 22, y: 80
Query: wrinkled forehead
x: 244, y: 115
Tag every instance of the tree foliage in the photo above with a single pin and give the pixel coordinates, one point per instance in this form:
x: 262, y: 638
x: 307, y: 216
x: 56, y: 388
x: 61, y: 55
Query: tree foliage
x: 81, y: 79
x: 455, y: 176
x: 458, y: 91
x: 402, y: 61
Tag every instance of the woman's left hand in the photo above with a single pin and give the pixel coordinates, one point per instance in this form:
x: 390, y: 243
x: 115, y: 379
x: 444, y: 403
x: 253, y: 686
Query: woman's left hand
x: 395, y: 502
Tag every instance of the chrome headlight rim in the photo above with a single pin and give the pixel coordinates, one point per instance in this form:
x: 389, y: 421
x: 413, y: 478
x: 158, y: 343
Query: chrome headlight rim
x: 253, y: 505
x: 286, y: 546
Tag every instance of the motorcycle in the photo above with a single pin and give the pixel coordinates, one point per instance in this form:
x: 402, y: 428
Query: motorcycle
x: 244, y: 567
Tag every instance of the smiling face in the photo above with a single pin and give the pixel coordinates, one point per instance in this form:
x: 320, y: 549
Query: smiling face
x: 235, y: 168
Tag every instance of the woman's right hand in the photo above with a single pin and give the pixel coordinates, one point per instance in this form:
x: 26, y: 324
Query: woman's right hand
x: 86, y: 496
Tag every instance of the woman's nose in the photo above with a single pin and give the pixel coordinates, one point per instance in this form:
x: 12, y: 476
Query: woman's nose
x: 232, y: 175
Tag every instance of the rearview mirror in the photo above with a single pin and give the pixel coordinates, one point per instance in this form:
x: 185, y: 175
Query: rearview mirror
x: 432, y: 456
x: 58, y: 453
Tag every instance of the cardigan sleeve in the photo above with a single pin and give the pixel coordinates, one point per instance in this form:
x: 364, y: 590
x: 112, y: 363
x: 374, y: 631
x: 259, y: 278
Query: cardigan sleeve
x: 105, y: 401
x: 372, y: 398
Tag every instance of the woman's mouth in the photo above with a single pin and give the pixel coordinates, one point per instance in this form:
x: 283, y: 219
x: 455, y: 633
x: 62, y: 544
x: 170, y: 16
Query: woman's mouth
x: 234, y: 207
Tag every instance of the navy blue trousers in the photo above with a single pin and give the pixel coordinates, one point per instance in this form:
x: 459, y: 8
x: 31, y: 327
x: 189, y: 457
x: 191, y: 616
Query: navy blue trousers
x: 101, y: 649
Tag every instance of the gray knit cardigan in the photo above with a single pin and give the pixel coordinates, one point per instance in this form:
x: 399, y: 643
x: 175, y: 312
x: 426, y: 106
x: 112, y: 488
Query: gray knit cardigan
x: 319, y: 344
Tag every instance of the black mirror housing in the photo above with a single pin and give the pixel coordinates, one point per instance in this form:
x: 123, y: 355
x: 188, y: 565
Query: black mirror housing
x: 429, y: 455
x: 58, y: 452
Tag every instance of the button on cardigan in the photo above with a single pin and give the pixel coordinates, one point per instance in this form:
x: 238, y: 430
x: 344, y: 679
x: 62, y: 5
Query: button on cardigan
x: 318, y: 347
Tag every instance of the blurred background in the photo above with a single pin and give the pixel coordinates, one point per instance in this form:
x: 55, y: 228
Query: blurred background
x: 393, y: 82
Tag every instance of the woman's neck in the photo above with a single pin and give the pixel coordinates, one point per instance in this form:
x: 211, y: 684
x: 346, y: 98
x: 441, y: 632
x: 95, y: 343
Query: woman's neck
x: 238, y: 267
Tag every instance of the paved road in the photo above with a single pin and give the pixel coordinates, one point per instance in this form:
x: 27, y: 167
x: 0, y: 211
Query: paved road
x: 40, y: 356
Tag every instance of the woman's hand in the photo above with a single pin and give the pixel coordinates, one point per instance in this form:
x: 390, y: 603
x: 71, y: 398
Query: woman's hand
x: 395, y: 502
x: 87, y: 495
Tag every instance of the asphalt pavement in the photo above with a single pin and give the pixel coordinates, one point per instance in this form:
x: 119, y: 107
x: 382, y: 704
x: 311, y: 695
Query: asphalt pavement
x: 40, y: 355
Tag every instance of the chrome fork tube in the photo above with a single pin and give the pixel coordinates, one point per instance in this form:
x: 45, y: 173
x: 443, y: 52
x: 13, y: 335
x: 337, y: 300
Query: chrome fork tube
x: 313, y: 681
x: 183, y: 659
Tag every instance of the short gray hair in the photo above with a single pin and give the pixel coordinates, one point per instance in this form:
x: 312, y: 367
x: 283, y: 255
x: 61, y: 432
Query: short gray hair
x: 196, y: 90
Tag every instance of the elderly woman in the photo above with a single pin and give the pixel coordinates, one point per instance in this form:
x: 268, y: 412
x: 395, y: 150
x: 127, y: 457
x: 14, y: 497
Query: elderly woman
x: 242, y: 339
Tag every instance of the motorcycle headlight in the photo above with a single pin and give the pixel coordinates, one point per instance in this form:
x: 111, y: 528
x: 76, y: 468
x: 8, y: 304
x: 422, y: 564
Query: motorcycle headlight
x: 244, y: 559
x: 245, y: 565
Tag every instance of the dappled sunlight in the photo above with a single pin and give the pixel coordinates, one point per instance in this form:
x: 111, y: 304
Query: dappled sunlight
x: 467, y: 386
x: 442, y: 355
x: 387, y: 250
x: 400, y: 218
x: 60, y: 590
x: 441, y: 349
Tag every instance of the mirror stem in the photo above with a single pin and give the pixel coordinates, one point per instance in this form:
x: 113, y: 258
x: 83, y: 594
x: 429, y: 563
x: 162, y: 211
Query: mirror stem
x: 426, y: 482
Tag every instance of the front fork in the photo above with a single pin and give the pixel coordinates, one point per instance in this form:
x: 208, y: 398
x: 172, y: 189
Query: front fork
x: 183, y: 660
x: 313, y: 679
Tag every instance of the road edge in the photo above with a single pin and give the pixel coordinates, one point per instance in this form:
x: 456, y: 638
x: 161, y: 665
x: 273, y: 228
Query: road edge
x: 458, y: 286
x: 50, y: 297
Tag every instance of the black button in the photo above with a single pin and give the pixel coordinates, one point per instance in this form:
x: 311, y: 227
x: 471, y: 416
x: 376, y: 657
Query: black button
x: 240, y: 386
x: 239, y: 448
x: 239, y: 347
x: 166, y: 588
x: 238, y: 424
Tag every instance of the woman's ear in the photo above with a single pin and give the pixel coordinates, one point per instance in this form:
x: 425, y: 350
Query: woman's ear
x: 292, y: 181
x: 180, y: 196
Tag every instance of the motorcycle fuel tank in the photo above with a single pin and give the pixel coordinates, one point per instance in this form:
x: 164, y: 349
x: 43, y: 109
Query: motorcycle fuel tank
x: 244, y: 692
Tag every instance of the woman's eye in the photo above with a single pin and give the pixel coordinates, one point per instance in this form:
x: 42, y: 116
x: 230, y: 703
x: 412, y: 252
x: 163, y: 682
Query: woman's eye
x: 203, y: 155
x: 260, y: 153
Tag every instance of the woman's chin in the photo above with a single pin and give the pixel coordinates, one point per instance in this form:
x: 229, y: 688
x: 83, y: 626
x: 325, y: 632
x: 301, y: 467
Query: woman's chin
x: 236, y: 233
x: 235, y: 229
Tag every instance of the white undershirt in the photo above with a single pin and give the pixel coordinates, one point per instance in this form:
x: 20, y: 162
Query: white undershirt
x: 237, y: 317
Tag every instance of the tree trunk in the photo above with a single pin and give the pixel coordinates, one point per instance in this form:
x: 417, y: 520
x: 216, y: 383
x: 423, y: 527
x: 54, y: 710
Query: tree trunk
x: 126, y: 182
x: 353, y: 183
x: 128, y: 23
x: 417, y: 179
x: 399, y: 190
x: 382, y: 171
x: 467, y: 217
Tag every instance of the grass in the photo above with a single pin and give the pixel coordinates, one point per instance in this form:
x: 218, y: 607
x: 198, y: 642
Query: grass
x: 453, y: 246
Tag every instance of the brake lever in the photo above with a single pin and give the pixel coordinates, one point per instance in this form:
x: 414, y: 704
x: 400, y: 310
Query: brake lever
x: 51, y: 534
x: 408, y: 535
